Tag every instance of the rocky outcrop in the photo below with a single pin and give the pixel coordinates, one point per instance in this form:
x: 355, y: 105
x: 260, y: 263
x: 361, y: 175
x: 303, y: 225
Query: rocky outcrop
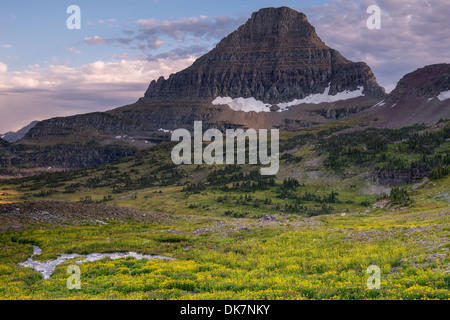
x: 74, y: 127
x: 339, y: 113
x: 275, y: 57
x: 65, y: 156
x: 393, y: 178
x: 427, y: 82
x: 419, y: 97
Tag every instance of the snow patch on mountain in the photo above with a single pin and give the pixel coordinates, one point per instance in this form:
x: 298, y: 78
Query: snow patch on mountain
x: 243, y: 104
x: 251, y: 104
x: 444, y: 95
x: 379, y: 104
x: 324, y: 97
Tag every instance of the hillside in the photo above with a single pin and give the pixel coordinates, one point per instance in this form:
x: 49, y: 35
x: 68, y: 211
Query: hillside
x: 422, y: 96
x: 309, y: 233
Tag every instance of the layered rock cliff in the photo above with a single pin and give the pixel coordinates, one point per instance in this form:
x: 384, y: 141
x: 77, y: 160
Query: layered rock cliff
x: 276, y: 56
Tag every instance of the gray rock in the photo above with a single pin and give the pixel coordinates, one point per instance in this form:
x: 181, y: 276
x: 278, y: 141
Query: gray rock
x: 276, y: 56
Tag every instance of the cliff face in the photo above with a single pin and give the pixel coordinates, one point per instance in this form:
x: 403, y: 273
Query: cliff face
x: 275, y: 57
x: 421, y: 96
x: 427, y: 82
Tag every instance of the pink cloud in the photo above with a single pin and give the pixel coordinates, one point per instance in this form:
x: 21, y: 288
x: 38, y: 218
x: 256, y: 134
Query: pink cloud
x: 61, y: 90
x: 94, y: 40
x: 413, y: 34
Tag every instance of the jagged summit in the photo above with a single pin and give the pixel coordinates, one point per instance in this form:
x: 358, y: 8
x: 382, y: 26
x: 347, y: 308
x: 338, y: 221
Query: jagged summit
x: 428, y: 82
x: 272, y: 28
x: 276, y: 56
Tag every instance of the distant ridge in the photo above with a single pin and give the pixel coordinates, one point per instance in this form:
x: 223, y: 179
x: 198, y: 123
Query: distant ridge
x: 421, y: 96
x: 15, y: 136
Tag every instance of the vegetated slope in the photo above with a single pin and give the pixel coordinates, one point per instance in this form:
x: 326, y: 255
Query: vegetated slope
x: 323, y: 170
x: 236, y: 234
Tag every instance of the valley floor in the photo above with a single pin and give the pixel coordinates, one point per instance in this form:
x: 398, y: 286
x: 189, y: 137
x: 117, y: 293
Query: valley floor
x: 274, y: 257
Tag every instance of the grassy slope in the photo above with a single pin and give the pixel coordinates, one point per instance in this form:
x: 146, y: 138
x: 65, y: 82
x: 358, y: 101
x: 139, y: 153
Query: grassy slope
x: 290, y: 256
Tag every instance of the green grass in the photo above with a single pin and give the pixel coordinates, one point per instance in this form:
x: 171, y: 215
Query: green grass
x: 287, y: 260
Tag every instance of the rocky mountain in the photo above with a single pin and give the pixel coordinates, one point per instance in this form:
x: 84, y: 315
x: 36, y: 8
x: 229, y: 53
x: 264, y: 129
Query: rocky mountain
x: 275, y: 57
x: 272, y: 72
x: 14, y: 136
x: 285, y: 75
x: 422, y: 96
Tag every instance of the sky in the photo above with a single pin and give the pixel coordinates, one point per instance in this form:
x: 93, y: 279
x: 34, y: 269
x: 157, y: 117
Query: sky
x: 48, y: 70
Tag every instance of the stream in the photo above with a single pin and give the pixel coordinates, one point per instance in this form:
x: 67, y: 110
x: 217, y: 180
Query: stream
x: 48, y: 267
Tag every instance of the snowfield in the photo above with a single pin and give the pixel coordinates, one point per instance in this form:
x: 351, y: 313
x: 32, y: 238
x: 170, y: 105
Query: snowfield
x: 444, y: 95
x: 379, y: 104
x: 243, y: 104
x: 251, y: 104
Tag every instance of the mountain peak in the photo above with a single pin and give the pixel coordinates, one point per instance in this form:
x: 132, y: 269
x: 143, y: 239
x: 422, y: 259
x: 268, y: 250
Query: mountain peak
x: 280, y: 23
x: 272, y: 29
x: 421, y: 96
x: 276, y: 56
x: 428, y: 81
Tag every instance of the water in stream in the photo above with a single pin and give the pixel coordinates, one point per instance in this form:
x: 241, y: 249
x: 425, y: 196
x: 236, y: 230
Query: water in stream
x: 48, y: 267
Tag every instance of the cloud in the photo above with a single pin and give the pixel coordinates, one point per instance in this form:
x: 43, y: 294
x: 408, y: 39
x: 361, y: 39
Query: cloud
x: 105, y: 21
x: 95, y: 40
x: 61, y: 90
x: 181, y: 52
x: 72, y: 49
x: 6, y: 46
x: 148, y: 35
x: 204, y: 27
x: 413, y: 34
x: 154, y: 43
x: 3, y: 67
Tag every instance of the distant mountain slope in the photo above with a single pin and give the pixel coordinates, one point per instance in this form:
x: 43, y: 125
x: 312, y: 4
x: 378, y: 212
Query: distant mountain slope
x: 14, y: 136
x: 422, y: 96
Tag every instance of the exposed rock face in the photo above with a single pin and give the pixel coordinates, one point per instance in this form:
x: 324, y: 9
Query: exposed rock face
x: 65, y: 156
x: 419, y: 97
x: 275, y: 57
x: 393, y: 178
x: 427, y: 82
x: 3, y: 143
